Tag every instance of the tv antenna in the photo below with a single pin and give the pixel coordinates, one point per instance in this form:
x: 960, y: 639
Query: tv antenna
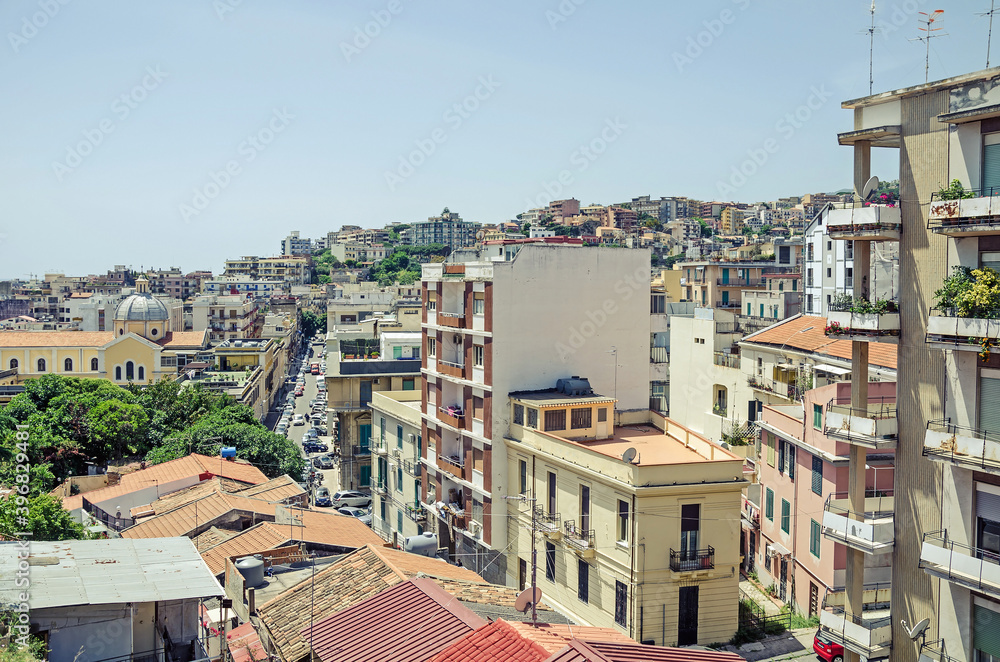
x: 871, y: 49
x: 929, y: 21
x: 989, y: 32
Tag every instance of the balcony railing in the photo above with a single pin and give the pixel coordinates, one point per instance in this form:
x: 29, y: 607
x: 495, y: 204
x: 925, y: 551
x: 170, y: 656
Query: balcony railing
x: 875, y: 426
x: 971, y: 567
x: 692, y: 559
x: 452, y: 320
x: 741, y: 282
x: 452, y: 415
x: 453, y: 464
x: 869, y: 635
x: 872, y: 223
x: 659, y: 355
x: 548, y: 523
x: 947, y: 331
x: 581, y: 540
x: 361, y: 451
x: 380, y: 488
x: 451, y: 369
x: 871, y: 531
x: 731, y: 303
x: 845, y: 325
x: 416, y: 513
x: 726, y: 360
x: 790, y: 391
x: 967, y: 447
x: 974, y: 216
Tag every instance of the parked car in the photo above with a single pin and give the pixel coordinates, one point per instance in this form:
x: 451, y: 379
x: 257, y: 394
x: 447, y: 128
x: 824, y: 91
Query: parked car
x: 826, y: 648
x: 298, y: 420
x: 298, y: 393
x: 321, y: 497
x: 323, y: 462
x: 309, y: 447
x: 357, y: 513
x: 351, y: 498
x: 321, y: 431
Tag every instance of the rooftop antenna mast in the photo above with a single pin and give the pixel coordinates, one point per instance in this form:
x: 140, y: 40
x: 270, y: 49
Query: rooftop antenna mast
x: 989, y: 33
x: 871, y: 51
x: 929, y: 21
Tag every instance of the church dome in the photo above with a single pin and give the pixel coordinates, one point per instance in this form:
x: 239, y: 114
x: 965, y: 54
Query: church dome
x: 141, y: 308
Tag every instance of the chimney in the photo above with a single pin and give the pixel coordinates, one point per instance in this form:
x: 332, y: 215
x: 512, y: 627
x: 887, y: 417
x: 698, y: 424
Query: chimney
x: 252, y: 601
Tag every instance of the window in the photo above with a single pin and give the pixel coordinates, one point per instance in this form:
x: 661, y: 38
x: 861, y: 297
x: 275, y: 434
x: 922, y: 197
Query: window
x: 769, y: 504
x: 399, y: 520
x: 550, y: 561
x: 602, y: 414
x: 818, y: 417
x: 399, y: 436
x: 580, y: 418
x: 584, y: 508
x: 814, y: 536
x: 817, y: 484
x: 399, y: 478
x: 770, y: 448
x: 552, y: 493
x: 829, y: 273
x: 13, y: 364
x: 431, y: 346
x: 432, y: 303
x: 582, y: 580
x: 479, y: 305
x: 409, y: 385
x: 41, y: 365
x: 555, y: 419
x: 690, y: 526
x: 523, y: 477
x: 849, y: 250
x: 829, y: 245
x: 518, y: 414
x: 93, y: 364
x: 790, y: 459
x: 477, y: 408
x: 781, y: 456
x: 129, y: 370
x: 621, y: 603
x: 477, y: 355
x: 622, y: 521
x: 142, y: 373
x: 381, y: 430
x: 118, y: 373
x: 849, y: 277
x: 809, y: 303
x: 533, y: 418
x: 786, y: 516
x: 68, y: 365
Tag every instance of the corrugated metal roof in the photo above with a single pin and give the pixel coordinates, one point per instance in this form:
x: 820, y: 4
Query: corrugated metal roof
x: 409, y: 622
x: 603, y: 651
x: 94, y: 572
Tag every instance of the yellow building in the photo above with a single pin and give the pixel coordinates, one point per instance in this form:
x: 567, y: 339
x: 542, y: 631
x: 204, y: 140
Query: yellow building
x: 638, y: 523
x: 140, y: 348
x: 731, y: 221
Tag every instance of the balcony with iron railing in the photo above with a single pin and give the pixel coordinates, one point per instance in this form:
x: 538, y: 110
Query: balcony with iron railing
x: 847, y: 319
x: 416, y: 512
x: 451, y: 319
x: 413, y: 467
x: 690, y: 560
x: 548, y: 523
x: 452, y: 369
x: 453, y: 464
x: 728, y: 303
x: 871, y: 532
x: 971, y: 567
x: 864, y: 222
x: 966, y: 447
x: 868, y: 634
x: 741, y: 282
x: 580, y: 540
x: 967, y: 213
x: 789, y: 391
x: 874, y: 426
x: 361, y: 451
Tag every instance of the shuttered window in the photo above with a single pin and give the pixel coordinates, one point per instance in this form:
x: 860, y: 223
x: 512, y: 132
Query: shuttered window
x: 987, y: 631
x: 814, y: 538
x: 786, y: 516
x: 991, y: 160
x: 769, y: 505
x: 817, y: 482
x: 989, y: 404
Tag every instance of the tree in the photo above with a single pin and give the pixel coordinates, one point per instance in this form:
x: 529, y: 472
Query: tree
x: 313, y: 323
x: 706, y: 229
x: 46, y: 519
x: 324, y: 279
x: 117, y: 430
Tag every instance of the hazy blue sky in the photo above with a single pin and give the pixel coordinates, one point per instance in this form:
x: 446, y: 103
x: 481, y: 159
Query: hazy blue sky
x: 120, y: 119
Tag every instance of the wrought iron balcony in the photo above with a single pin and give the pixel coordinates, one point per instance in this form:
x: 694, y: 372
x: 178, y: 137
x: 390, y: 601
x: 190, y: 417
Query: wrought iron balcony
x: 871, y: 531
x: 966, y: 447
x: 548, y: 523
x: 971, y: 567
x: 361, y: 451
x: 581, y: 540
x: 692, y: 559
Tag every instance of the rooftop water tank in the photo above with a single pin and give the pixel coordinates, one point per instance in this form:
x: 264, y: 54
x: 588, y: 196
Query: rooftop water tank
x: 252, y: 569
x: 574, y: 386
x: 425, y: 545
x: 229, y: 452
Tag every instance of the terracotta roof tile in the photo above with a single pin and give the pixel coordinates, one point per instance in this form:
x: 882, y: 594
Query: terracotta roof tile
x: 55, y: 338
x: 554, y: 636
x: 178, y: 339
x: 213, y: 537
x: 603, y: 651
x: 258, y: 538
x: 792, y: 333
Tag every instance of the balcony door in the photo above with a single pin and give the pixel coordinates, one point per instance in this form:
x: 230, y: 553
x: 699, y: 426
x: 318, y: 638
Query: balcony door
x: 690, y: 525
x: 991, y: 161
x: 687, y: 617
x: 989, y: 402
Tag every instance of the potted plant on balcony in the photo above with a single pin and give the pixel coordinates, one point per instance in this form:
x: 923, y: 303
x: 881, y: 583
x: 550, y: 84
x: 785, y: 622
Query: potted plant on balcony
x: 969, y: 301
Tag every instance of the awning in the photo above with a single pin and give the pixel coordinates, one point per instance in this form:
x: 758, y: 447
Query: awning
x: 780, y: 550
x: 788, y: 366
x: 832, y: 369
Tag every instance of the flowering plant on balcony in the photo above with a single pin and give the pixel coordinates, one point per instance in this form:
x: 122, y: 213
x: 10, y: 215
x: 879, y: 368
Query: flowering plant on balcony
x: 845, y: 303
x: 971, y: 293
x: 954, y: 191
x: 834, y: 329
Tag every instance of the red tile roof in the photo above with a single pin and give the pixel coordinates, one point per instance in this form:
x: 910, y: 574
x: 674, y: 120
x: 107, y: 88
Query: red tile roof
x: 553, y: 636
x: 179, y: 339
x: 807, y: 333
x: 55, y: 338
x: 496, y: 642
x: 594, y: 651
x: 245, y: 646
x: 259, y: 538
x: 409, y: 622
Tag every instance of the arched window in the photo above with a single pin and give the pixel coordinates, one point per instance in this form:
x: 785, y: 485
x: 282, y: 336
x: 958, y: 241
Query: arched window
x: 41, y: 365
x: 68, y: 365
x: 14, y: 364
x: 129, y: 371
x: 118, y: 373
x: 93, y: 364
x: 142, y: 373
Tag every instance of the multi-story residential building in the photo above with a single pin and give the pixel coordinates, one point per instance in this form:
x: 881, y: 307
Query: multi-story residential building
x: 584, y: 313
x: 801, y: 531
x: 560, y: 209
x: 782, y: 298
x: 293, y: 244
x: 259, y: 288
x: 662, y: 308
x: 637, y: 521
x: 621, y: 218
x: 259, y: 367
x: 718, y: 284
x: 731, y: 221
x: 397, y: 471
x: 358, y: 235
x: 283, y: 328
x: 290, y: 269
x: 658, y: 209
x: 448, y: 229
x: 227, y: 316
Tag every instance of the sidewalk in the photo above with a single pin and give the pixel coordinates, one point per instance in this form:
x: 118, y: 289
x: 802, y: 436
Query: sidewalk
x: 791, y: 645
x: 758, y: 596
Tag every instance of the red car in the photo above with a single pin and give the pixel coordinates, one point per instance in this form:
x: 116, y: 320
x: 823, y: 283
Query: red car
x: 827, y: 649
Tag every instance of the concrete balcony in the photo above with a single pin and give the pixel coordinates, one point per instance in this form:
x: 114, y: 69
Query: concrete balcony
x: 964, y: 334
x: 381, y: 449
x: 845, y: 325
x: 451, y: 369
x: 579, y: 540
x: 968, y: 448
x: 870, y: 634
x: 871, y: 532
x: 971, y: 567
x: 452, y: 464
x: 975, y: 216
x: 452, y: 416
x: 872, y: 223
x: 451, y: 320
x: 741, y: 282
x: 876, y: 426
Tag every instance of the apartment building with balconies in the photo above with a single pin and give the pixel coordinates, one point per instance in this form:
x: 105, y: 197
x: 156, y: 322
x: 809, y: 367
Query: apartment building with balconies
x: 227, y: 317
x: 397, y: 470
x: 494, y: 327
x: 661, y: 310
x: 718, y: 284
x: 635, y: 517
x: 781, y: 298
x: 288, y: 269
x: 294, y: 244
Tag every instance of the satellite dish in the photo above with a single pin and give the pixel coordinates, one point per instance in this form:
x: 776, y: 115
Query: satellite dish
x: 725, y: 445
x: 917, y: 630
x: 870, y: 187
x: 480, y: 235
x: 628, y: 455
x: 527, y: 598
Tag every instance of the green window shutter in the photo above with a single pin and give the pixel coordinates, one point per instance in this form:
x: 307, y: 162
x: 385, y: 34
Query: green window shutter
x: 366, y: 475
x: 817, y: 478
x: 397, y: 352
x: 786, y: 516
x: 818, y: 417
x: 769, y: 505
x: 814, y: 538
x: 399, y: 479
x: 987, y: 631
x: 991, y: 165
x: 399, y: 520
x: 989, y: 404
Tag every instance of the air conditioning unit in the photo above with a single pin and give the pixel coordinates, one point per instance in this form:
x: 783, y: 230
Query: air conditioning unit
x: 411, y: 438
x: 475, y: 527
x: 768, y: 551
x: 395, y: 453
